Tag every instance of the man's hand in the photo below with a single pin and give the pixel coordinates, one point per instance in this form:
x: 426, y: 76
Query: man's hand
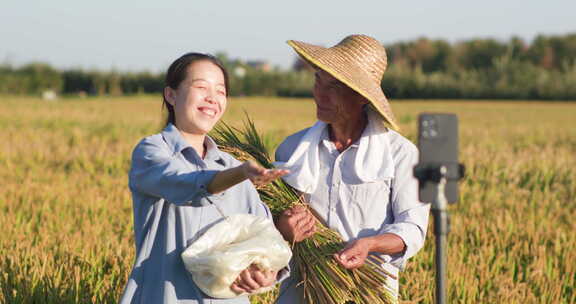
x: 354, y: 254
x: 296, y: 224
x: 252, y: 279
x: 259, y: 175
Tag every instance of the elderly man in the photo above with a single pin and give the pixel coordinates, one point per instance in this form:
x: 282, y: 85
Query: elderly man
x: 353, y: 169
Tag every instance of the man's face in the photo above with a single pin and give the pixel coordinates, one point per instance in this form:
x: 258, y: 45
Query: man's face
x: 335, y: 101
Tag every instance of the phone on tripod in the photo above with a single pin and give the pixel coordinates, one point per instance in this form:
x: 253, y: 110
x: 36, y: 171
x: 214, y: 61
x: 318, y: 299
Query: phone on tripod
x: 438, y: 146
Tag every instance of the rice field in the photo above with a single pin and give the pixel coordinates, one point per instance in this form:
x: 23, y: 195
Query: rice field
x: 66, y: 211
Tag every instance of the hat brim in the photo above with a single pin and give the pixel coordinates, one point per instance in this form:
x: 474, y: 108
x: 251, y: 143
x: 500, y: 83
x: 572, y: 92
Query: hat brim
x: 349, y: 75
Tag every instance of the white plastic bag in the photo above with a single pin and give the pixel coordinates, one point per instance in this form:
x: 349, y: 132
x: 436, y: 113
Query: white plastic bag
x: 217, y: 258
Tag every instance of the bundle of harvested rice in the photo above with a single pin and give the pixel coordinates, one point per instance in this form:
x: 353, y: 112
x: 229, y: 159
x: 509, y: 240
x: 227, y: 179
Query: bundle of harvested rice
x: 323, y: 279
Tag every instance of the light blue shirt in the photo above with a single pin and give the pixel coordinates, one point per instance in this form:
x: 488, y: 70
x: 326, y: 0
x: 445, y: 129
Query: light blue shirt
x: 172, y: 208
x: 357, y: 209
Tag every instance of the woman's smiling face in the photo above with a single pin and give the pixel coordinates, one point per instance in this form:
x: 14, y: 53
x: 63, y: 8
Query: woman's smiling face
x: 200, y: 99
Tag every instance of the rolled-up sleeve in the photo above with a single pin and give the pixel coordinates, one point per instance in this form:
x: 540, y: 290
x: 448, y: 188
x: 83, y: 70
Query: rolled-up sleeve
x: 410, y: 215
x: 157, y: 173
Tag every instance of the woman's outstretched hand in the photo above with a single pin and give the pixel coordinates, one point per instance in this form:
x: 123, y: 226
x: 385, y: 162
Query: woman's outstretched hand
x: 259, y: 175
x: 248, y: 170
x: 252, y: 279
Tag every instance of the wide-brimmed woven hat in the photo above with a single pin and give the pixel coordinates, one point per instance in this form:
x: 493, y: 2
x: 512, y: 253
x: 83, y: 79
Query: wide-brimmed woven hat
x: 359, y: 61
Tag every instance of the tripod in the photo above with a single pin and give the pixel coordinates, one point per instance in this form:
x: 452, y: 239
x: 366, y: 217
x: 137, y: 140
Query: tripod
x: 441, y: 229
x: 440, y: 174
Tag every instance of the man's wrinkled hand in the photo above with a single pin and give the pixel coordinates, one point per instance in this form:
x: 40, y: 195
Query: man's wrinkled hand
x: 296, y: 224
x: 354, y: 254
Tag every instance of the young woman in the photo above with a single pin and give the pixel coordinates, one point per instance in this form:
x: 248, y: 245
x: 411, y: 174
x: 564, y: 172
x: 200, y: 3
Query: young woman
x: 182, y: 184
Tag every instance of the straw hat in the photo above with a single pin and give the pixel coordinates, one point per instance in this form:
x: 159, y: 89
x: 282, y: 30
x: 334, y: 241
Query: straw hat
x: 359, y: 61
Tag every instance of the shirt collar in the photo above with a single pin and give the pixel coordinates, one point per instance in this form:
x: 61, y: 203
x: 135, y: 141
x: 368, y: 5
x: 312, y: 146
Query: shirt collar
x: 325, y: 140
x: 177, y: 144
x: 212, y: 151
x: 373, y: 126
x: 174, y: 139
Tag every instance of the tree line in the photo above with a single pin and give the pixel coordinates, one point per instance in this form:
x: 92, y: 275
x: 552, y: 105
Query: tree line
x: 479, y: 68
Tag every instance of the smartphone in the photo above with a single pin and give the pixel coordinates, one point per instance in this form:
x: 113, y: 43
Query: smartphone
x: 438, y: 146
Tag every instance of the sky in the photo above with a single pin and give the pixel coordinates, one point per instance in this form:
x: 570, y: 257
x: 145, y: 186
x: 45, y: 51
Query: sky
x: 148, y: 35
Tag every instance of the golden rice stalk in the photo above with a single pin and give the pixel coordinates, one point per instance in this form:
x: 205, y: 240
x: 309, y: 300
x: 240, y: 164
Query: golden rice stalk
x: 323, y: 279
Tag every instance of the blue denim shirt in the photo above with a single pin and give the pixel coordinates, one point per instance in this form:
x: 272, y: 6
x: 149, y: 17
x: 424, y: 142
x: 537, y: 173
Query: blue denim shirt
x: 172, y: 208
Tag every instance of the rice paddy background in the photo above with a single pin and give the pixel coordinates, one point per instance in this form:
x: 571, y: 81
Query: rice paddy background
x: 66, y: 211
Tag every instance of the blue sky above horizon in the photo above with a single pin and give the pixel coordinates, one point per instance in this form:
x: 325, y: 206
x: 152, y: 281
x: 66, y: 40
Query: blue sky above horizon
x: 148, y: 35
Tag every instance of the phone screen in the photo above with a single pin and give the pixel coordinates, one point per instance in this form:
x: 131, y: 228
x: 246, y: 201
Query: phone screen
x: 438, y: 145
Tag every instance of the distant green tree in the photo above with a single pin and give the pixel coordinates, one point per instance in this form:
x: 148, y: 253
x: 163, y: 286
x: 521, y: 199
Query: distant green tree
x: 480, y: 53
x: 41, y: 76
x: 77, y: 81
